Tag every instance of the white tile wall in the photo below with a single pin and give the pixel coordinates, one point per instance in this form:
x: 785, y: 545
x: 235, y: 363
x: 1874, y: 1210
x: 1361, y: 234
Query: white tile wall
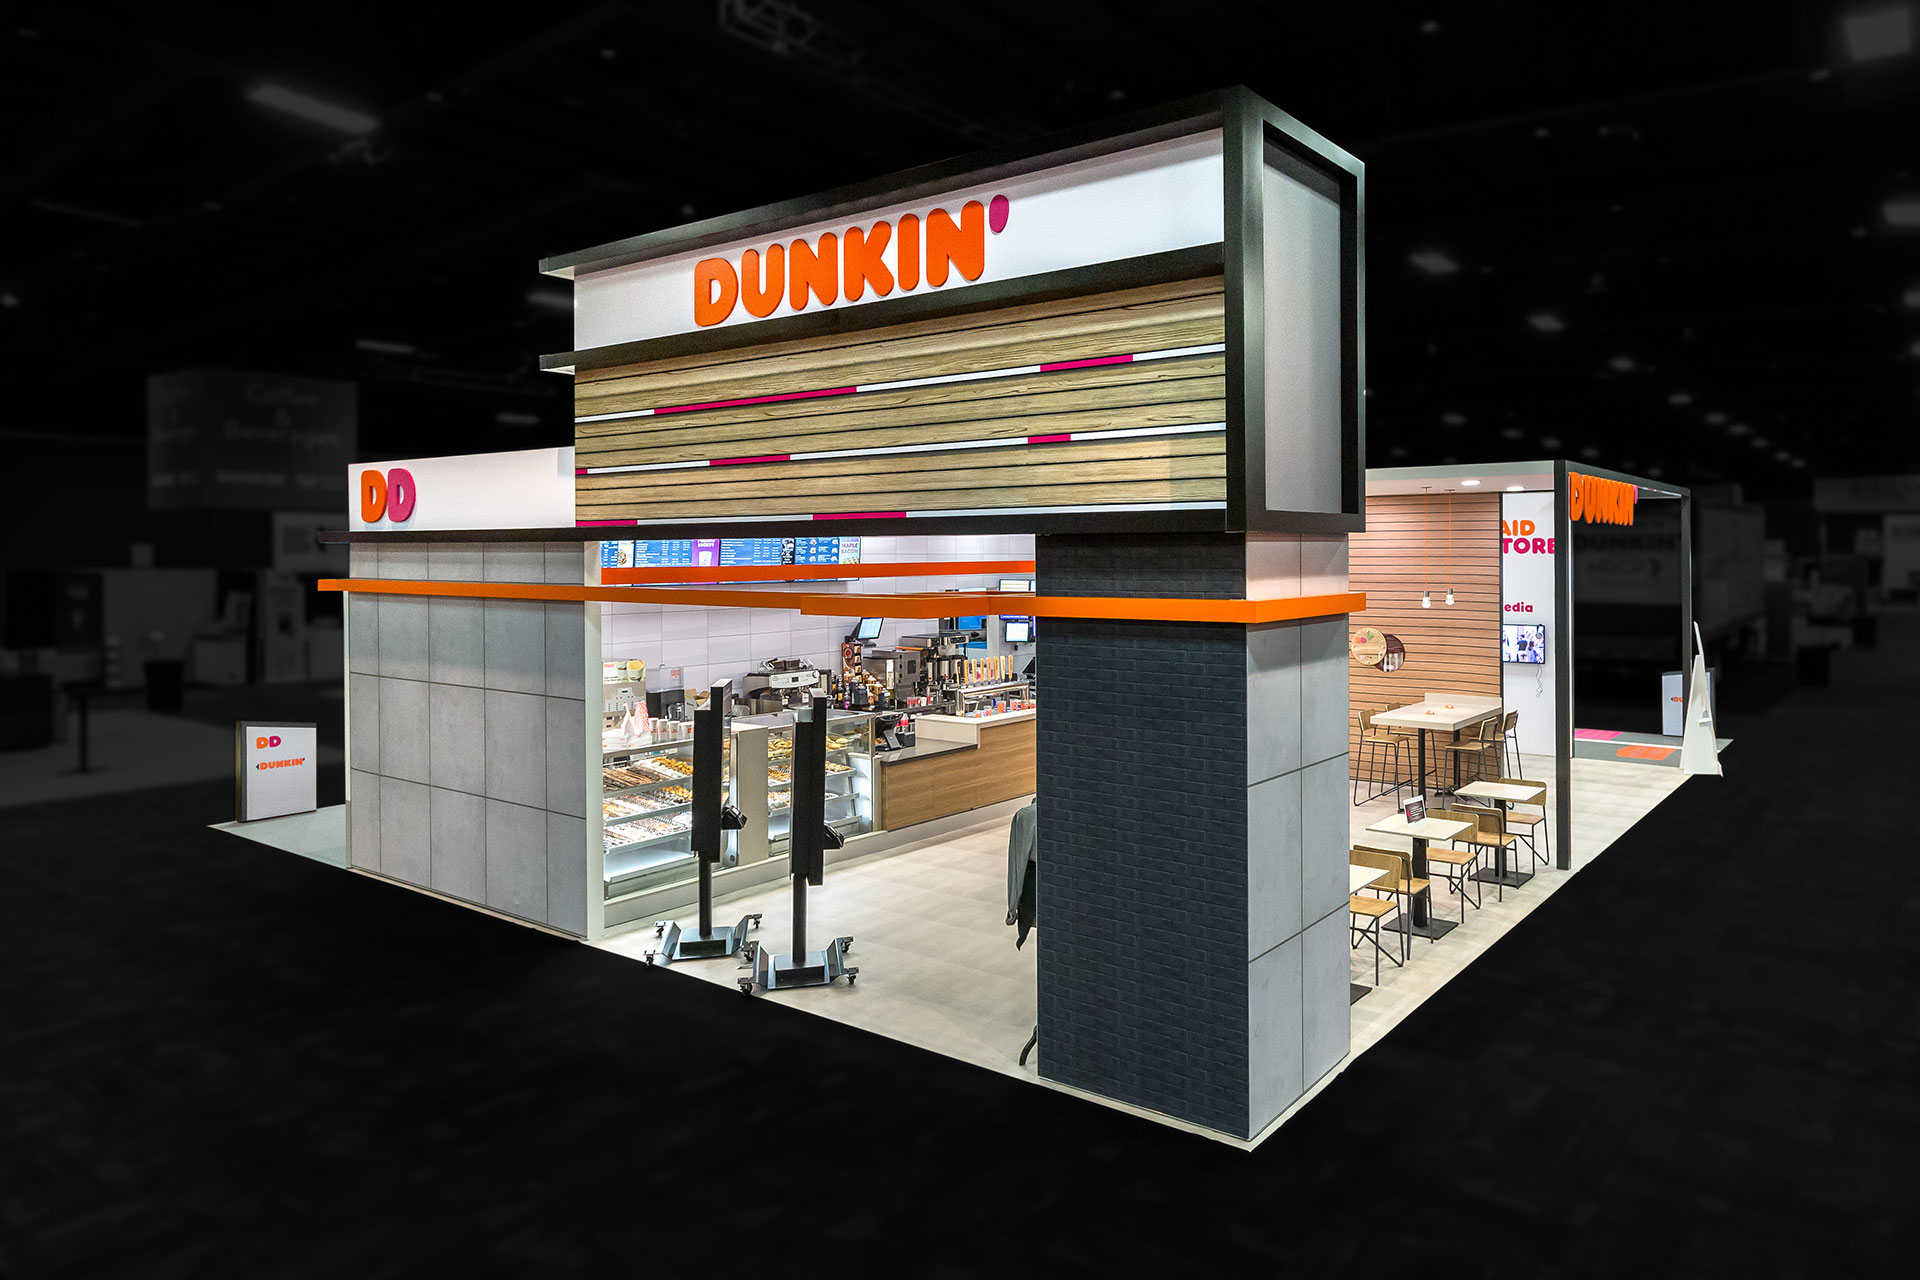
x: 711, y: 644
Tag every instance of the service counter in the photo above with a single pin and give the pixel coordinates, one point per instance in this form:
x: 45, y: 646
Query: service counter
x: 959, y: 763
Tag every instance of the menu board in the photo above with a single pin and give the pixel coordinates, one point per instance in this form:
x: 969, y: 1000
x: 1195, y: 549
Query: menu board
x: 683, y: 553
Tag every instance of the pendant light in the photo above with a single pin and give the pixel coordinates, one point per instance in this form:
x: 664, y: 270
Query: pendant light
x: 1426, y: 500
x: 1449, y: 548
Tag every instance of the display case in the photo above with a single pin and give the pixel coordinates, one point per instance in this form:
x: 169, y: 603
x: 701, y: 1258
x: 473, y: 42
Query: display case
x: 849, y: 780
x: 646, y: 799
x: 995, y: 697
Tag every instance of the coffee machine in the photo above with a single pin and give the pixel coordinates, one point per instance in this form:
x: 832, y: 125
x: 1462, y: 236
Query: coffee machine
x: 781, y: 684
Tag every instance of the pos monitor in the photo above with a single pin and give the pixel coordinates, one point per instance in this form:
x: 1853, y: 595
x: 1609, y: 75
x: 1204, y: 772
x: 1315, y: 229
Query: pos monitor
x: 867, y: 629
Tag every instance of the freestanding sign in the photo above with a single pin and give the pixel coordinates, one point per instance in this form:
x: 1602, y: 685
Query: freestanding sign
x: 275, y: 769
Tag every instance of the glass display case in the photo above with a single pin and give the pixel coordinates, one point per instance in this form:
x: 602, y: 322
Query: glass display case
x: 991, y: 699
x: 849, y: 780
x: 646, y: 799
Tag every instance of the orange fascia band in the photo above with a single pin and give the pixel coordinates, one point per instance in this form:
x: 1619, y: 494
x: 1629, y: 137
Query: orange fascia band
x: 904, y: 605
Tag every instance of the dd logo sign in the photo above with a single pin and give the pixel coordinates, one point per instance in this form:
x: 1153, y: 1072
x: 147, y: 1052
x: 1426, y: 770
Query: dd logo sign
x: 389, y: 494
x: 266, y: 744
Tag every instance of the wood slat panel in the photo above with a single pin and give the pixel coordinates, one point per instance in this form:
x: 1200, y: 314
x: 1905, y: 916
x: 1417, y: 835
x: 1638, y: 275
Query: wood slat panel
x: 1183, y: 413
x: 1147, y: 470
x: 1175, y: 458
x: 1038, y: 495
x: 1453, y: 649
x: 1110, y: 331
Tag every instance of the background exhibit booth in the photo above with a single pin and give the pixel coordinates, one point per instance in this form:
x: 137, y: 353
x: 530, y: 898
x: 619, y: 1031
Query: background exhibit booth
x: 1136, y: 350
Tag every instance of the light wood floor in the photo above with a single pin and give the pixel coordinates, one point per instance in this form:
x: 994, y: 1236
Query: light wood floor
x: 939, y: 968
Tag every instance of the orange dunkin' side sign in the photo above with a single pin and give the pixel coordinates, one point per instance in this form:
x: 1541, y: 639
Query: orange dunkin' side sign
x: 1599, y: 501
x: 887, y: 255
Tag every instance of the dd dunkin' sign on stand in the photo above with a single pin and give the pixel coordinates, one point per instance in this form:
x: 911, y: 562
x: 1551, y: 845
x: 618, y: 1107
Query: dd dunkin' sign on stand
x: 275, y: 770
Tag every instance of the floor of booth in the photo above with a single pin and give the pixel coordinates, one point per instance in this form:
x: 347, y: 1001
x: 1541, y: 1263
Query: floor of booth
x: 939, y: 969
x: 320, y: 835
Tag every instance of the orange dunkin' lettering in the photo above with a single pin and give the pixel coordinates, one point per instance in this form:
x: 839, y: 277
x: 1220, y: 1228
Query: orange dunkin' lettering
x: 814, y: 269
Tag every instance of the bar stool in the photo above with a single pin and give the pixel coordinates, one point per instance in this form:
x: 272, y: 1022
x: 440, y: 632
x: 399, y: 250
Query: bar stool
x: 1385, y: 745
x: 1477, y: 742
x: 1528, y: 823
x: 1510, y: 740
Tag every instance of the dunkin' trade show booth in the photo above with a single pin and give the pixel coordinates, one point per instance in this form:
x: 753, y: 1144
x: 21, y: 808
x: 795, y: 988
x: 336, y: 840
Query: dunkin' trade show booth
x: 944, y: 620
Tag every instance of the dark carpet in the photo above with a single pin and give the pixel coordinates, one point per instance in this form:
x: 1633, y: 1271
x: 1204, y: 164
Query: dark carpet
x: 218, y: 1060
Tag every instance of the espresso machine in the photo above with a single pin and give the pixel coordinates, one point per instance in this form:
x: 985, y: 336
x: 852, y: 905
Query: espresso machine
x: 781, y: 684
x: 942, y: 662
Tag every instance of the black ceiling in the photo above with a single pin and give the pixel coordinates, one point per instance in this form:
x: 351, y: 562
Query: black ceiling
x: 1694, y: 192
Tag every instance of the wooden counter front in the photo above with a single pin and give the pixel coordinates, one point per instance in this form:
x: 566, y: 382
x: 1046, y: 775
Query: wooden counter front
x: 1000, y: 768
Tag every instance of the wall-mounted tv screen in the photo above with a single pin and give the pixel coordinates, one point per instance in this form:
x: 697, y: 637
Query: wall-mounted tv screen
x: 1019, y: 630
x: 1523, y: 642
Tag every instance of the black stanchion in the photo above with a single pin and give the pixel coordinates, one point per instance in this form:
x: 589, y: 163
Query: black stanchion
x: 713, y: 817
x: 807, y: 849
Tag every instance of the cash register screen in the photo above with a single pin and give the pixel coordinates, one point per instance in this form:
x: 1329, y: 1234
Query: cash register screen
x: 869, y: 629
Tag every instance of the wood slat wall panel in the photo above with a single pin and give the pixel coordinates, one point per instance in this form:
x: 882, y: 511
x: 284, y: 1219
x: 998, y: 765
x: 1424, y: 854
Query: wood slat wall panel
x: 1455, y: 649
x: 697, y: 507
x: 1144, y: 470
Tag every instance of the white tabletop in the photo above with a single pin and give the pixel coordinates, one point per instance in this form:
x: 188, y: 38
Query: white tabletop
x: 1442, y: 714
x: 1427, y: 829
x: 1502, y: 791
x: 1359, y: 878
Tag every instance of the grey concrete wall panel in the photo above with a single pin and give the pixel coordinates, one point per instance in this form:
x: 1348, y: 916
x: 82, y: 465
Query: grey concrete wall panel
x: 363, y: 706
x: 403, y: 637
x: 566, y: 650
x: 517, y: 860
x: 516, y: 633
x: 404, y: 730
x: 566, y: 752
x: 363, y: 633
x: 1326, y: 837
x: 406, y: 824
x: 363, y: 814
x: 457, y: 757
x: 514, y: 562
x: 1273, y: 701
x: 516, y: 748
x: 363, y: 560
x: 1324, y: 672
x: 405, y: 561
x: 455, y: 562
x: 566, y: 562
x: 1273, y: 863
x: 567, y: 873
x: 457, y: 641
x: 1275, y: 1074
x: 1325, y: 1022
x: 459, y: 844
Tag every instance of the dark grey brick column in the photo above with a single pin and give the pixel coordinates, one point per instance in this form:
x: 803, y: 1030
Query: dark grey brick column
x: 1190, y: 850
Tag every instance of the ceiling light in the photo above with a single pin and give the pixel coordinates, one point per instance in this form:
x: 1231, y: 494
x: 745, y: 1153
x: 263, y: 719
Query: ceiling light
x: 1590, y: 452
x: 1783, y: 455
x: 1468, y: 484
x: 1679, y: 397
x: 1433, y: 262
x: 550, y: 298
x: 1516, y: 488
x: 1429, y: 27
x: 1511, y: 433
x: 384, y: 347
x: 329, y: 114
x: 1453, y: 419
x: 1546, y: 322
x: 1902, y: 211
x: 1878, y: 33
x: 1799, y: 462
x: 1549, y: 442
x: 1737, y: 429
x: 1624, y: 364
x: 1716, y: 417
x: 9, y: 300
x: 509, y: 418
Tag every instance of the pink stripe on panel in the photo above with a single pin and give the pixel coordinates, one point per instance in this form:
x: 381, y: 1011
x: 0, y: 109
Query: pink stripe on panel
x: 765, y: 457
x: 862, y: 515
x: 745, y: 400
x: 1084, y: 364
x: 1597, y: 735
x: 1049, y: 439
x: 590, y: 524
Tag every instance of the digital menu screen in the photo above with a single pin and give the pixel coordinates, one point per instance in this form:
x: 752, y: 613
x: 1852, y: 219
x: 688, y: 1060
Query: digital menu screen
x: 682, y: 553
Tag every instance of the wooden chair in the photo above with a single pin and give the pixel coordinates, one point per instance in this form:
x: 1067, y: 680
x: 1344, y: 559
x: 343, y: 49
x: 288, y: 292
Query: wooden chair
x: 1526, y: 824
x: 1510, y: 740
x: 1394, y: 880
x: 1378, y: 744
x: 1364, y: 921
x: 1489, y: 833
x: 1456, y: 865
x: 1478, y: 748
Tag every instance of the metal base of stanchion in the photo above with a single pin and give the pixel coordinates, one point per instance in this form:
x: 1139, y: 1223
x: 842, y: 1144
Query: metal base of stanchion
x: 693, y: 945
x: 812, y: 969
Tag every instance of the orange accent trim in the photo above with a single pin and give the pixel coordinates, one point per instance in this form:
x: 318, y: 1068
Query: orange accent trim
x: 813, y: 572
x: 887, y: 604
x: 1645, y: 753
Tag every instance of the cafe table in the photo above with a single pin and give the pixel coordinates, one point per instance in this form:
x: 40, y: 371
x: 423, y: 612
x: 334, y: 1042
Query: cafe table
x: 1424, y: 925
x: 1439, y: 713
x: 1502, y: 795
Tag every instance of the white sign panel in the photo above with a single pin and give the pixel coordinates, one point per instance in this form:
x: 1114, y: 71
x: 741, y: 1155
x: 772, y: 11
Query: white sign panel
x: 277, y: 769
x: 1527, y: 549
x: 525, y: 489
x: 1151, y: 199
